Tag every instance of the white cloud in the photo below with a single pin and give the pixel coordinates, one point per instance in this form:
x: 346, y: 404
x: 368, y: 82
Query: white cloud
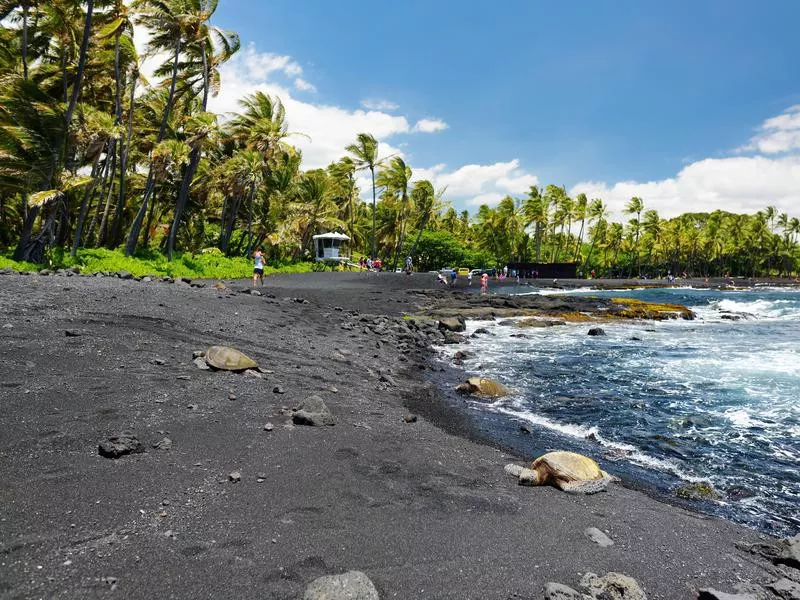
x: 430, y: 125
x: 736, y: 184
x: 304, y: 86
x: 379, y: 104
x: 480, y: 184
x: 330, y: 128
x: 779, y: 134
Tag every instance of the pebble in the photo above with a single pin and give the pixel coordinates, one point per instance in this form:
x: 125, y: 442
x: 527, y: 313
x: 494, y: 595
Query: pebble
x: 231, y: 396
x: 598, y: 537
x: 278, y: 390
x: 235, y: 477
x: 410, y: 418
x: 269, y: 427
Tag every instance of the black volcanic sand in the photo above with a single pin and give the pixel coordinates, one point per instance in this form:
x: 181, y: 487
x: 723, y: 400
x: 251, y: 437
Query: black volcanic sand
x: 425, y: 513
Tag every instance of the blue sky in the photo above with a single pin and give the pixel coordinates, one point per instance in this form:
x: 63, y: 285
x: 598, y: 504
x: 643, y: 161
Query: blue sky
x: 662, y: 99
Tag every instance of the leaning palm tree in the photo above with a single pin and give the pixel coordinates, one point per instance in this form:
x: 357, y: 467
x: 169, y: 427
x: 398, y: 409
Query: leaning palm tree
x: 365, y: 155
x: 164, y: 20
x: 208, y: 48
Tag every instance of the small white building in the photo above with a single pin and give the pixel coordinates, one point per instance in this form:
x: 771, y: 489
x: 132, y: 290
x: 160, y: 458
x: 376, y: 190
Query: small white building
x: 327, y: 245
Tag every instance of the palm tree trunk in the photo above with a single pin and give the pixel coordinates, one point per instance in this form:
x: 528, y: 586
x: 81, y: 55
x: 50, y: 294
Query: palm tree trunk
x: 103, y: 232
x: 76, y: 87
x: 194, y: 159
x: 136, y: 226
x: 76, y: 241
x: 372, y: 170
x: 250, y: 218
x: 98, y: 212
x: 118, y: 212
x: 149, y: 224
x: 25, y: 40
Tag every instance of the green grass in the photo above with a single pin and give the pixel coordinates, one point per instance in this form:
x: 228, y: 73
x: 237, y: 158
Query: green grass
x: 210, y: 264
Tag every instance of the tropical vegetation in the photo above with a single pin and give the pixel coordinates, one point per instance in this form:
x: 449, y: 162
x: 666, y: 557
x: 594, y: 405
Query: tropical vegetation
x: 96, y: 161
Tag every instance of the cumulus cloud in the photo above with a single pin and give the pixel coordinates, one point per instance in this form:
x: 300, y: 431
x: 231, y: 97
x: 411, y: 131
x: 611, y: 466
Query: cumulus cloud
x: 736, y: 184
x: 476, y: 184
x: 375, y: 104
x: 779, y: 134
x: 430, y: 125
x: 302, y: 85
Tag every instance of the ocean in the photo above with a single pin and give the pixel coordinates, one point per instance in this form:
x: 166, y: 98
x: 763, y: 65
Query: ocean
x: 663, y: 404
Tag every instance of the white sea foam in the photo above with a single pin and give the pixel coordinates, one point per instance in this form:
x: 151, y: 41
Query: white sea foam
x: 631, y: 453
x: 762, y: 309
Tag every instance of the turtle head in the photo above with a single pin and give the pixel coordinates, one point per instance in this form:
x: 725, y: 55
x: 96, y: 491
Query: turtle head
x: 530, y: 477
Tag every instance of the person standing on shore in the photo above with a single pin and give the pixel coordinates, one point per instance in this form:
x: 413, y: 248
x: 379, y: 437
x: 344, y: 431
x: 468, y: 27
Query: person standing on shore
x: 469, y: 278
x: 484, y: 283
x: 258, y: 267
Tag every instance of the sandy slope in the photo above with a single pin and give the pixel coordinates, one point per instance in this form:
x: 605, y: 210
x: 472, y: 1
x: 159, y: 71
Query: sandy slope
x: 424, y: 513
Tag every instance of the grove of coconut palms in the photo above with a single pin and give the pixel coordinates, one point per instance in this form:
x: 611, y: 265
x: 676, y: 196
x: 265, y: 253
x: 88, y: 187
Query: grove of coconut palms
x: 96, y: 156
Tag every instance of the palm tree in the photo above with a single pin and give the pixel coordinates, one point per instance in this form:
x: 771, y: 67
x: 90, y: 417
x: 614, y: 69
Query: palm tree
x: 164, y: 20
x: 202, y: 39
x: 365, y: 156
x: 396, y: 178
x: 579, y: 214
x: 596, y: 213
x: 635, y: 205
x: 535, y: 210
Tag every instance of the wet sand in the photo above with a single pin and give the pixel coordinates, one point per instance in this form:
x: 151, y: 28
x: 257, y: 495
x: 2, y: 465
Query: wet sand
x: 423, y: 508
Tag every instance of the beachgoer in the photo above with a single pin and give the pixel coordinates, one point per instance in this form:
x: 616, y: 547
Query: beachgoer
x: 453, y: 276
x: 469, y: 278
x: 484, y: 283
x: 441, y: 278
x: 258, y: 266
x: 505, y: 271
x: 592, y: 274
x: 369, y: 263
x: 409, y: 265
x: 377, y: 265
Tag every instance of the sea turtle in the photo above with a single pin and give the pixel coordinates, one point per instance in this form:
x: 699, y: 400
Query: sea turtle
x: 228, y: 359
x: 568, y: 471
x: 481, y: 386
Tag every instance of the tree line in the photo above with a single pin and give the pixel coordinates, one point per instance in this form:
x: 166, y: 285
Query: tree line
x: 94, y: 155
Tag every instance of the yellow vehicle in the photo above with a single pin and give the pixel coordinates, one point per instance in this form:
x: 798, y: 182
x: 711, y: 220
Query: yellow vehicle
x: 463, y: 271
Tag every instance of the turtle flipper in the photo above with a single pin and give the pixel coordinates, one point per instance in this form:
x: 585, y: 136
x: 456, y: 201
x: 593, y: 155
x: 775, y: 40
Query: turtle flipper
x: 591, y: 486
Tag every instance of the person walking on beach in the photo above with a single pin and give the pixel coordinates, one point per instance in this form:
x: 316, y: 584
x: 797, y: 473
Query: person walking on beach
x: 258, y: 267
x: 484, y: 283
x: 469, y: 278
x: 409, y: 265
x: 453, y: 276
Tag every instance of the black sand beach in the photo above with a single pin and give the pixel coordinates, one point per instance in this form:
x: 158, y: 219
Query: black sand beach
x: 423, y: 512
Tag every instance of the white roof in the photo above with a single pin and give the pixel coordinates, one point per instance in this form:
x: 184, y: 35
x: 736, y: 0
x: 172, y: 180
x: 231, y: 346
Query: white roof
x: 331, y: 236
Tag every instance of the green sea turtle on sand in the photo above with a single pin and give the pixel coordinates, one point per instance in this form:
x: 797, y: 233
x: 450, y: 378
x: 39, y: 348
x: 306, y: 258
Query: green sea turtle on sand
x: 228, y: 359
x: 568, y: 471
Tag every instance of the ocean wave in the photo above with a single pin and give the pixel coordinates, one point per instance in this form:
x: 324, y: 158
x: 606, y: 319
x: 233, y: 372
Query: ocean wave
x: 623, y: 451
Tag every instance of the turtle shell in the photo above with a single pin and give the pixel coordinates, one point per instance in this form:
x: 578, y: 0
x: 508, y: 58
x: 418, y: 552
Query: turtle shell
x: 569, y: 466
x: 487, y: 387
x: 228, y: 359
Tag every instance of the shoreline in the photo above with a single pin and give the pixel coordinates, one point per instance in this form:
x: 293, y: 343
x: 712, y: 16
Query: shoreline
x: 423, y: 512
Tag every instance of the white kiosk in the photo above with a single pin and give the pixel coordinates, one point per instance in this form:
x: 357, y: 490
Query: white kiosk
x: 326, y: 247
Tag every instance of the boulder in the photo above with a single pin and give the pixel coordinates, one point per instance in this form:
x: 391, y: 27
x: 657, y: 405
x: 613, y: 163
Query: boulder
x: 712, y: 594
x: 456, y: 323
x: 353, y: 585
x: 557, y: 591
x: 597, y: 331
x: 453, y: 338
x: 612, y: 586
x: 789, y: 553
x: 124, y: 275
x: 312, y: 411
x: 481, y: 386
x: 786, y: 589
x: 120, y: 445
